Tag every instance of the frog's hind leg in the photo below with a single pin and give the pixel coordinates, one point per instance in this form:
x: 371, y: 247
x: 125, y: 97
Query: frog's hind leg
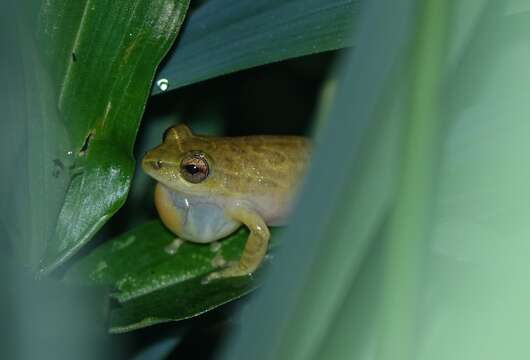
x: 255, y: 248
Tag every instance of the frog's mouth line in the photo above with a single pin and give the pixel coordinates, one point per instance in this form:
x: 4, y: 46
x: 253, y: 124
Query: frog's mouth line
x: 176, y: 200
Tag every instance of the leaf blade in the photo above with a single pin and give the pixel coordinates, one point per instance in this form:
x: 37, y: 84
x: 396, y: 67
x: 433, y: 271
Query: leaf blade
x: 226, y: 36
x: 167, y: 304
x: 102, y: 76
x: 151, y: 286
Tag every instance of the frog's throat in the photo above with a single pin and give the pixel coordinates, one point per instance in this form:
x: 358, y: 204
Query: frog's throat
x: 196, y: 219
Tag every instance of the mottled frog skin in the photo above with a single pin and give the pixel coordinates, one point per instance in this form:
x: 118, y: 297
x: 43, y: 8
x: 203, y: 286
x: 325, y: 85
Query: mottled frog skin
x: 209, y: 186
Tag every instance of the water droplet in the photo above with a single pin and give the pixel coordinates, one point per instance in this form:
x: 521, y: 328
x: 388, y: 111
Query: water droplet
x: 162, y: 84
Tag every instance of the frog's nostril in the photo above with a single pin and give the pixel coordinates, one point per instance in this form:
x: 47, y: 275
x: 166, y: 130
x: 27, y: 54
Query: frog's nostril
x: 156, y: 164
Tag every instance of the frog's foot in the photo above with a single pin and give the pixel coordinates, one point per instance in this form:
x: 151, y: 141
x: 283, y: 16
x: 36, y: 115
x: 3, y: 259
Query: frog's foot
x: 232, y: 270
x: 173, y: 247
x: 219, y: 261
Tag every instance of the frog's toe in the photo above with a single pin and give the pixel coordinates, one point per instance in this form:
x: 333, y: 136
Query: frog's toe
x: 173, y: 247
x: 212, y: 276
x: 231, y: 271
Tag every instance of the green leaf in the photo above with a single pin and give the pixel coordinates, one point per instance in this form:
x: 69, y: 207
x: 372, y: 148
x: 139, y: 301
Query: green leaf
x: 152, y: 285
x: 225, y: 36
x: 102, y: 56
x: 177, y: 302
x: 137, y: 262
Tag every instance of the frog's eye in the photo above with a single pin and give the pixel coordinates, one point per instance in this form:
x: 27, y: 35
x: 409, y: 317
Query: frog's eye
x: 194, y: 168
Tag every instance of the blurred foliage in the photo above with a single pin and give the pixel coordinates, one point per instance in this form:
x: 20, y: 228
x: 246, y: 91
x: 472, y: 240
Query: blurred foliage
x: 442, y: 274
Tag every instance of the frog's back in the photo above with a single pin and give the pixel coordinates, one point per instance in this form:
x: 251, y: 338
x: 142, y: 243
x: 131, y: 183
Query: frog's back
x: 261, y: 164
x: 264, y: 170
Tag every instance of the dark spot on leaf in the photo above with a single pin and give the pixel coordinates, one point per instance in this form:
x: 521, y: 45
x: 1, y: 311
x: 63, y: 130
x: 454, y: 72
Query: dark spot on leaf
x: 74, y: 57
x: 58, y: 163
x: 58, y: 167
x: 86, y: 143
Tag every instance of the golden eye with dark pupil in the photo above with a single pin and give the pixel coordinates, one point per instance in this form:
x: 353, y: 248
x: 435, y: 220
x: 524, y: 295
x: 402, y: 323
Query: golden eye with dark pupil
x: 194, y: 168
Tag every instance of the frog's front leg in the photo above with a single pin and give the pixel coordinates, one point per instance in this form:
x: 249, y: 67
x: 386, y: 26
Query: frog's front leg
x: 173, y: 247
x: 255, y: 247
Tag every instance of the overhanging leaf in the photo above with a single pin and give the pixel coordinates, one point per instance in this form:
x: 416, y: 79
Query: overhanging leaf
x: 152, y: 285
x: 102, y: 56
x: 226, y: 36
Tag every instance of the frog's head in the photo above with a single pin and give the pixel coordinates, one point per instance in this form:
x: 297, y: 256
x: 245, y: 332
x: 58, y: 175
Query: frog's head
x: 182, y: 162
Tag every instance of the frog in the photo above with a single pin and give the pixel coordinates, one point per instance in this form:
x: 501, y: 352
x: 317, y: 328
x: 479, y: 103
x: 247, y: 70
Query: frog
x: 209, y: 186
